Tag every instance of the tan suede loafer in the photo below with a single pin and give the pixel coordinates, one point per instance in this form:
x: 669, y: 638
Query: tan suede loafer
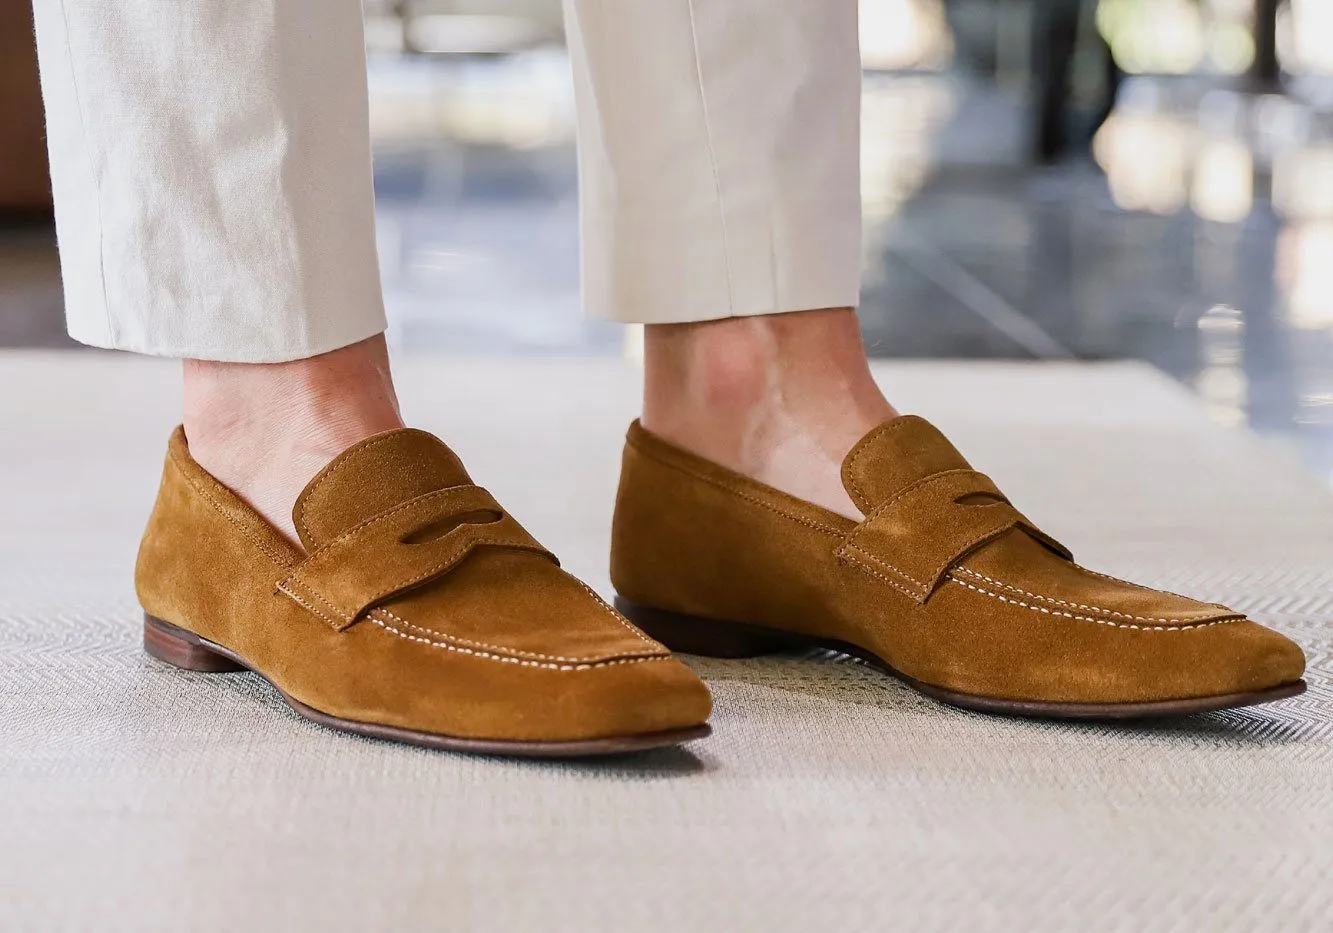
x: 420, y: 611
x: 943, y: 584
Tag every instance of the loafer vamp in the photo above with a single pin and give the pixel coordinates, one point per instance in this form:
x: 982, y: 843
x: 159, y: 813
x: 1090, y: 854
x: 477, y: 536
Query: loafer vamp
x: 1022, y: 624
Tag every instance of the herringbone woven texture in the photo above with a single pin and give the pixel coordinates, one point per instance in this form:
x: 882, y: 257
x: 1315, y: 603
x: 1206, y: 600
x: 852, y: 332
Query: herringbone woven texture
x: 137, y: 797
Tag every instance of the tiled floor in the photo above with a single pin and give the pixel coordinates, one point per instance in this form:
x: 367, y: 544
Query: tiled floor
x: 1202, y: 243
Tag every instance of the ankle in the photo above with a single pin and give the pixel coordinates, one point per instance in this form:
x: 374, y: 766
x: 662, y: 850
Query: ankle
x: 734, y: 385
x: 779, y: 398
x: 264, y: 430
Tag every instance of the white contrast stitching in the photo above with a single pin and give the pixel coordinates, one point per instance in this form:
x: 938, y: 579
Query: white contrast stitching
x: 467, y: 642
x: 521, y: 662
x: 460, y: 644
x: 885, y: 564
x: 1060, y: 602
x: 284, y: 587
x: 1070, y: 615
x: 614, y: 614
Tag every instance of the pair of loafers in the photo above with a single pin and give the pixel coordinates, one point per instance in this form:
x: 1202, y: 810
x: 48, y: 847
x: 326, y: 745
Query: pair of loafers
x: 419, y: 610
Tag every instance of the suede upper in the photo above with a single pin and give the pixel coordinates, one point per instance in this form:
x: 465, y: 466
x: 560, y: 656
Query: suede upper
x: 419, y: 603
x: 944, y: 580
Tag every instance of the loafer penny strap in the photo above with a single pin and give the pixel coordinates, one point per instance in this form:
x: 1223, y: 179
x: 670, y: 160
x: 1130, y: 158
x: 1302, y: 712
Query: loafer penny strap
x: 401, y: 549
x: 913, y: 539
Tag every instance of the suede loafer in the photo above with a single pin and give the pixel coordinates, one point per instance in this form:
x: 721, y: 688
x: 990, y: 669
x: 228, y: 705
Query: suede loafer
x: 418, y: 610
x: 943, y: 584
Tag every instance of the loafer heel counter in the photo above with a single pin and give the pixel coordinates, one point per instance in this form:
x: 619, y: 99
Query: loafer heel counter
x: 152, y: 563
x: 648, y: 552
x: 197, y: 542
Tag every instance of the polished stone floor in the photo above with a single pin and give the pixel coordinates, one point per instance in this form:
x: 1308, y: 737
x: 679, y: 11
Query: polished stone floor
x: 1200, y: 238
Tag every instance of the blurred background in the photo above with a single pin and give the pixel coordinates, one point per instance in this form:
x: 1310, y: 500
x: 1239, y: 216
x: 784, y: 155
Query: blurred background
x: 1042, y: 179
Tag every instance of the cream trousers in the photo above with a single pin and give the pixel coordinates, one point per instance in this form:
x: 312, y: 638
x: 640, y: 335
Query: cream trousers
x: 211, y: 166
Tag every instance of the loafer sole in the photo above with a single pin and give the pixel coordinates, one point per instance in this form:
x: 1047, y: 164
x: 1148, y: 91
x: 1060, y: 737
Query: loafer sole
x: 716, y: 639
x: 184, y: 649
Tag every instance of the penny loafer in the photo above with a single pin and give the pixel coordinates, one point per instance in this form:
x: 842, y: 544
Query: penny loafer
x: 943, y: 584
x: 418, y: 611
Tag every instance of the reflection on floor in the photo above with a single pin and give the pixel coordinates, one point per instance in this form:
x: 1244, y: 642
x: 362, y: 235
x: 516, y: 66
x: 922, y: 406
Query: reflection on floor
x: 1201, y: 240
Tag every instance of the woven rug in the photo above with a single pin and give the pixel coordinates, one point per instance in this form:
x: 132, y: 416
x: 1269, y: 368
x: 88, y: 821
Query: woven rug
x: 137, y: 797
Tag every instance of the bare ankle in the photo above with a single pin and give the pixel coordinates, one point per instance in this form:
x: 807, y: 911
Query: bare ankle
x: 264, y: 430
x: 728, y: 384
x: 780, y: 398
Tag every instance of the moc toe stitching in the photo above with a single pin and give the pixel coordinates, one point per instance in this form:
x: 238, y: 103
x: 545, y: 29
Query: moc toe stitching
x: 484, y: 647
x: 1174, y: 625
x: 1156, y: 623
x: 564, y: 664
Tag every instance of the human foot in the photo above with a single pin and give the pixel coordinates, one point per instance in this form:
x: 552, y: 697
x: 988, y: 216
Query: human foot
x: 778, y: 398
x: 263, y: 429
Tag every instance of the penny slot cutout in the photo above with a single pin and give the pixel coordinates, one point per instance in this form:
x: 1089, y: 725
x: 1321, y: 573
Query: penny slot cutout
x: 441, y: 527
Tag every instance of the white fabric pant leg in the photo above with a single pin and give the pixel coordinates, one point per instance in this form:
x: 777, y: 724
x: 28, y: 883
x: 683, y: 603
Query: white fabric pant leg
x: 719, y: 151
x: 211, y: 167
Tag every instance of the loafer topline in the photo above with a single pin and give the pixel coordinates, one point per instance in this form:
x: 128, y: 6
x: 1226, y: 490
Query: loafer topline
x: 943, y: 584
x: 419, y: 611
